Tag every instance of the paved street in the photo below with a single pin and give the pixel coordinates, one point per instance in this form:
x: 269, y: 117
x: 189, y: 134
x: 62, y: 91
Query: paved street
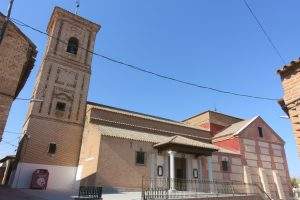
x: 26, y: 194
x: 14, y: 194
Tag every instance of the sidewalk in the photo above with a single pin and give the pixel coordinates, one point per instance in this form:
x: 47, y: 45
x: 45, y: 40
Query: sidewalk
x: 15, y: 194
x: 27, y: 194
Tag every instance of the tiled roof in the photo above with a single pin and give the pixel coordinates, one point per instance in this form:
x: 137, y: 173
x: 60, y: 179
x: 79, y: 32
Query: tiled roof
x: 130, y: 134
x: 211, y: 111
x: 7, y: 158
x: 145, y: 116
x: 158, y: 140
x: 186, y: 141
x: 234, y: 129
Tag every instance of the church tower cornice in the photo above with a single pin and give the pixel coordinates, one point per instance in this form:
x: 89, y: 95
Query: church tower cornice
x: 62, y: 14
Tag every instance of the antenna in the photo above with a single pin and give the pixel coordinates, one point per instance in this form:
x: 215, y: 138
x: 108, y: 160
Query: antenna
x: 77, y: 6
x: 11, y: 2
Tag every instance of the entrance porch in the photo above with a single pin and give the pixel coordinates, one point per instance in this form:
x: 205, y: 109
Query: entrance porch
x: 184, y: 159
x: 183, y: 170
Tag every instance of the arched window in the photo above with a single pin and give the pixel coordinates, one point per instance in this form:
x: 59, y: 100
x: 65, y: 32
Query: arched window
x: 73, y: 45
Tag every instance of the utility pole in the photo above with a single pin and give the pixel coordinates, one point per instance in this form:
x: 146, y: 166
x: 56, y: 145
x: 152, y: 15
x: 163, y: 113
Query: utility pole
x: 2, y: 30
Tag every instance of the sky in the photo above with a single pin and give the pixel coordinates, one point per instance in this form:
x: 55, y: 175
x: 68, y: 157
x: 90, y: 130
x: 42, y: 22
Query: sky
x: 210, y: 42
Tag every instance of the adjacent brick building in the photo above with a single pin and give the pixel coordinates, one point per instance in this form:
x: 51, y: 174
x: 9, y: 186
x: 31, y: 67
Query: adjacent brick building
x: 290, y: 78
x: 17, y: 57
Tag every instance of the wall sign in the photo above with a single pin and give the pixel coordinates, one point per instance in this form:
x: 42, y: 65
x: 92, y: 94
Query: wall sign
x: 195, y: 173
x: 160, y: 170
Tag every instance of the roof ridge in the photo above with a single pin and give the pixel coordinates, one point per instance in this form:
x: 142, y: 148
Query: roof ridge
x: 211, y: 111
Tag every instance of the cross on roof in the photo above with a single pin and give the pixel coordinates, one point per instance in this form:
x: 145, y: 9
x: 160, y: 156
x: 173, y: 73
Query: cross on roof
x: 77, y: 6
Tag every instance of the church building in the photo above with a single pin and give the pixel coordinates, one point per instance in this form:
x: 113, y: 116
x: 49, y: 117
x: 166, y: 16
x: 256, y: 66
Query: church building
x: 86, y: 143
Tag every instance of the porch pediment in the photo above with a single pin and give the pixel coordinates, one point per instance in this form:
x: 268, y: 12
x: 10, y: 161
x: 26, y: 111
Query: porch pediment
x: 186, y: 145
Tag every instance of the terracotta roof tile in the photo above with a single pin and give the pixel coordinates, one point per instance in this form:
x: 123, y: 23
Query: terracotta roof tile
x: 158, y: 140
x: 186, y: 141
x: 234, y: 129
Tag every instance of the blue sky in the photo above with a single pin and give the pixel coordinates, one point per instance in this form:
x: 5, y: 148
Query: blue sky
x: 209, y: 42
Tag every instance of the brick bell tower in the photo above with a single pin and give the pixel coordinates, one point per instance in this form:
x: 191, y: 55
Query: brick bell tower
x: 53, y: 128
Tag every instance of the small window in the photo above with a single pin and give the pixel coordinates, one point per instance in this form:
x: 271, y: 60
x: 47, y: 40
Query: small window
x: 195, y: 173
x: 225, y: 165
x: 73, y: 45
x: 260, y: 132
x: 160, y: 170
x: 60, y: 106
x: 52, y: 148
x: 140, y: 158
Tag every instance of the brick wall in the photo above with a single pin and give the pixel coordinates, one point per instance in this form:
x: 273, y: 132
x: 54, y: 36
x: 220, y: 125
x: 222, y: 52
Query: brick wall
x: 5, y: 104
x: 41, y: 132
x: 266, y: 153
x: 117, y: 167
x: 231, y: 144
x: 211, y: 121
x: 235, y: 170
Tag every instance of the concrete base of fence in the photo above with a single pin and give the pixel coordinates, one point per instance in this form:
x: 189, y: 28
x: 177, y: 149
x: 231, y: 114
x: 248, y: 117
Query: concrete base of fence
x: 254, y: 197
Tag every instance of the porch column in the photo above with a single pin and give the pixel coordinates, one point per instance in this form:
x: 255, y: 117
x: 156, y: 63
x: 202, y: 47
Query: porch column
x: 210, y: 174
x: 172, y: 169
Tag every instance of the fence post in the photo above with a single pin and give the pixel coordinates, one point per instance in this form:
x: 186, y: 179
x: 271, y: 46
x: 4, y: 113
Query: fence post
x: 232, y: 186
x: 143, y: 195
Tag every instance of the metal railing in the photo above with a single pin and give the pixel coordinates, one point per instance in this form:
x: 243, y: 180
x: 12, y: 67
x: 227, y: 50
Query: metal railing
x: 159, y: 188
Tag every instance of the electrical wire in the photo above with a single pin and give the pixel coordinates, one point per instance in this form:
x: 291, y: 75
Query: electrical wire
x: 6, y: 142
x: 13, y: 132
x: 264, y: 32
x: 18, y: 98
x: 141, y: 69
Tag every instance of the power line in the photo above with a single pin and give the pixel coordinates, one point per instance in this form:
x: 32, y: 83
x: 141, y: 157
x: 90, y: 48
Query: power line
x: 141, y: 69
x: 13, y: 132
x: 264, y: 32
x: 18, y: 98
x: 6, y: 142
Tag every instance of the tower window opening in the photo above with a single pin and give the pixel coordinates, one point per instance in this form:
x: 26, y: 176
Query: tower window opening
x: 60, y: 106
x: 260, y: 132
x: 52, y: 148
x: 225, y: 165
x: 73, y: 45
x: 140, y: 158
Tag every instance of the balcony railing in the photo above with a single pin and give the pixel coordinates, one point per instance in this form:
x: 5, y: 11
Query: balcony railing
x: 159, y: 188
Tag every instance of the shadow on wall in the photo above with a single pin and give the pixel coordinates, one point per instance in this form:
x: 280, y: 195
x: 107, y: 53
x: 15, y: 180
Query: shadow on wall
x: 106, y: 188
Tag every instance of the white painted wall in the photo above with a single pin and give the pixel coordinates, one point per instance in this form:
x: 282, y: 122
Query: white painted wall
x: 278, y: 184
x: 61, y: 178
